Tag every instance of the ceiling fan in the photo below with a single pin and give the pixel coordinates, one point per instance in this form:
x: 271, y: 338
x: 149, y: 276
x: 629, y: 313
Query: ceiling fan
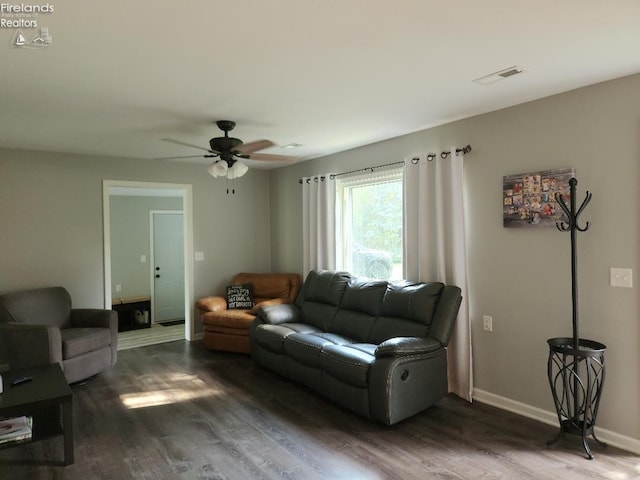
x: 230, y: 151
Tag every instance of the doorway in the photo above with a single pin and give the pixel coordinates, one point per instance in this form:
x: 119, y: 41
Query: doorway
x: 113, y: 188
x: 167, y: 260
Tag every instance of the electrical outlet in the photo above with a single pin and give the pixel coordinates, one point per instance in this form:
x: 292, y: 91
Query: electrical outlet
x: 487, y: 323
x: 118, y: 288
x: 621, y: 277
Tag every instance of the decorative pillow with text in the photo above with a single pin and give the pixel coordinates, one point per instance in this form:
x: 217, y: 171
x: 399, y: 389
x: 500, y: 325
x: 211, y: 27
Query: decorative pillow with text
x: 240, y: 297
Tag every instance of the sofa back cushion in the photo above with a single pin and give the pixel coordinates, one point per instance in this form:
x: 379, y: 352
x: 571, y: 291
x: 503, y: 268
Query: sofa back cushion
x: 407, y: 310
x: 270, y: 285
x: 320, y: 296
x: 413, y: 301
x: 42, y: 306
x: 317, y: 314
x: 359, y: 307
x: 325, y: 286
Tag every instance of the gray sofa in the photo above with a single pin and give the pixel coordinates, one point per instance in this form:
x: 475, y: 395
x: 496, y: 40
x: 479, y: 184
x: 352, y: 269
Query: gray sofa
x: 38, y: 327
x: 374, y: 347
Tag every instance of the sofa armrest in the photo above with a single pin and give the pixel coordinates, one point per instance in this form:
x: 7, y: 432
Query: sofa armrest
x: 30, y: 345
x: 401, y: 346
x: 98, y: 318
x: 264, y: 302
x: 212, y: 304
x: 446, y: 313
x: 277, y: 314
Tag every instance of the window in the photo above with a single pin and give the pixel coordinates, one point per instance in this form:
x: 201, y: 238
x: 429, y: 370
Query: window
x: 369, y: 224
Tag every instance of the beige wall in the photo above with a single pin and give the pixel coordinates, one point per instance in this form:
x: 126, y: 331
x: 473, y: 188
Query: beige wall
x: 52, y: 225
x: 521, y: 276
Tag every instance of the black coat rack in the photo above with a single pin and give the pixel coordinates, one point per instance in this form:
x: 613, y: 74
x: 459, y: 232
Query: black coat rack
x: 576, y: 366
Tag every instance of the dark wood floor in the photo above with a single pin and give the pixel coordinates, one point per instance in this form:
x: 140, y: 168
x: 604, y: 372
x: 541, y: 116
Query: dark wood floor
x: 176, y: 410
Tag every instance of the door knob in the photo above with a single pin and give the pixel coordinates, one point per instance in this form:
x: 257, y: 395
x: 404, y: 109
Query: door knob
x: 157, y: 276
x: 157, y: 268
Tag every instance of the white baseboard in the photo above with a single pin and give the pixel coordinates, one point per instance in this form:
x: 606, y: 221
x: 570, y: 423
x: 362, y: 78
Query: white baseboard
x: 550, y: 418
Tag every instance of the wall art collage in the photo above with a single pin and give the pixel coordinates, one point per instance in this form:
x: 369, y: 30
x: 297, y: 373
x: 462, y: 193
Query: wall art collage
x: 528, y: 199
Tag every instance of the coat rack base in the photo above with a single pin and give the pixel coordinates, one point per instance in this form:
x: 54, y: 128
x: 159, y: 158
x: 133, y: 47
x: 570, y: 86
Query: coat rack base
x: 576, y: 378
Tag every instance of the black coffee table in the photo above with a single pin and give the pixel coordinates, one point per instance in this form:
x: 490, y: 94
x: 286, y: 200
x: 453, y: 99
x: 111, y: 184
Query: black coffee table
x: 45, y: 398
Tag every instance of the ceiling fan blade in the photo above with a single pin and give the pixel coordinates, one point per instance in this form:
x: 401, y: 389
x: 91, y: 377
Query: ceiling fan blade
x: 251, y: 147
x: 178, y: 142
x: 271, y: 158
x: 184, y: 156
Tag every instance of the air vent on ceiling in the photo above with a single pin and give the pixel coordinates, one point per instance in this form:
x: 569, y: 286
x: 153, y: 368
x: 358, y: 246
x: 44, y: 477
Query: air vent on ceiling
x: 501, y: 75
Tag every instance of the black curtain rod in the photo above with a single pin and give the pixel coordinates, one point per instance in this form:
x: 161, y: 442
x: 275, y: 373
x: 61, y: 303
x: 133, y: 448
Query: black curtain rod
x: 367, y: 169
x: 430, y: 157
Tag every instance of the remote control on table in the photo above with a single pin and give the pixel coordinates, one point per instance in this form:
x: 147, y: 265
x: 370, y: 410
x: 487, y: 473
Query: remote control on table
x: 20, y: 381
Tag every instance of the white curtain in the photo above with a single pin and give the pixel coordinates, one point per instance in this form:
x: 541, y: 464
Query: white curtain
x: 435, y: 247
x: 318, y: 223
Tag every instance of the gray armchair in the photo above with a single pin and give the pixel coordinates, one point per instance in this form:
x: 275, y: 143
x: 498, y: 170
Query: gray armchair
x: 39, y: 327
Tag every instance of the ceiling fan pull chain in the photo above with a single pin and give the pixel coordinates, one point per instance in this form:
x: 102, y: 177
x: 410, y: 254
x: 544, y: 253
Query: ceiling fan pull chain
x: 233, y: 186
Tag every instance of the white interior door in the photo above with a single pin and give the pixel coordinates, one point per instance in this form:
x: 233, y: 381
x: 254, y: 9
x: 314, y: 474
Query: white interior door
x: 167, y: 246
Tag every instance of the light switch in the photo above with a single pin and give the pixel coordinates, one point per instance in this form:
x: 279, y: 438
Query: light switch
x: 143, y: 259
x: 199, y: 256
x: 621, y: 277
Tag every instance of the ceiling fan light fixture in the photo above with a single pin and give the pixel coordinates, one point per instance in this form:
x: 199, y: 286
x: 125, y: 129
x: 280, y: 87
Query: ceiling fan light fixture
x: 229, y: 150
x: 218, y: 168
x: 237, y: 170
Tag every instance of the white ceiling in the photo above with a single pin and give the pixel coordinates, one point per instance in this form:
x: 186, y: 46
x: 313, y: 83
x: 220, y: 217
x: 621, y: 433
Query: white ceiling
x: 121, y: 75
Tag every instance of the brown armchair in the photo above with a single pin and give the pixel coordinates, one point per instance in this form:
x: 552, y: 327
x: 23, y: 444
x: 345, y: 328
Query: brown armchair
x: 39, y: 327
x: 228, y: 330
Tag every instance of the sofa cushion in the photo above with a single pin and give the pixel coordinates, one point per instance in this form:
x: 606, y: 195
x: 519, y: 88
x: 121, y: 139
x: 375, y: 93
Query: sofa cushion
x: 318, y: 314
x: 271, y: 337
x: 305, y: 347
x: 228, y: 318
x: 359, y: 306
x: 352, y: 324
x: 266, y: 285
x: 324, y: 286
x: 78, y: 341
x: 407, y: 310
x: 271, y: 286
x: 385, y: 328
x: 348, y: 363
x: 221, y: 330
x: 415, y: 302
x: 364, y: 295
